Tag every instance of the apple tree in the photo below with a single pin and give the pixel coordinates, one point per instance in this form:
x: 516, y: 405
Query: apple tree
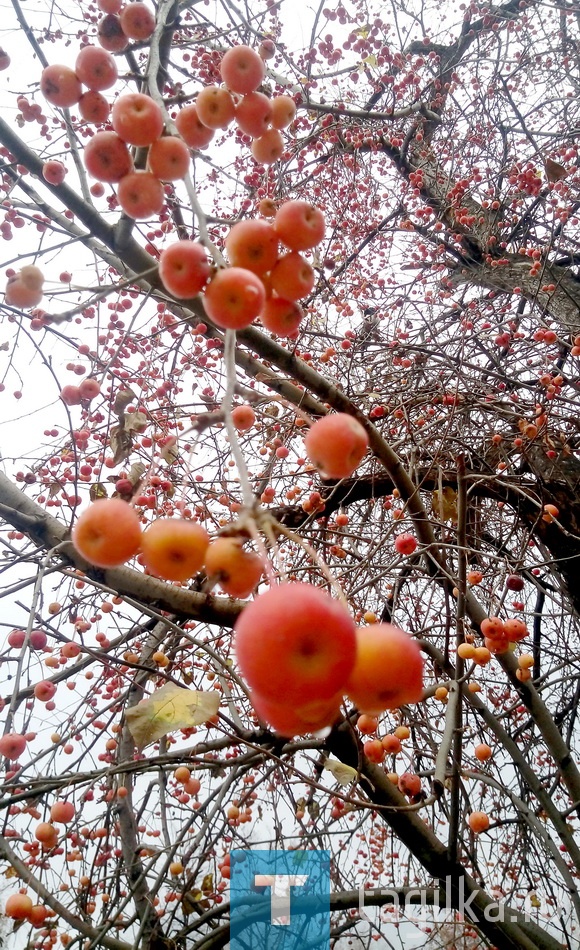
x: 289, y: 499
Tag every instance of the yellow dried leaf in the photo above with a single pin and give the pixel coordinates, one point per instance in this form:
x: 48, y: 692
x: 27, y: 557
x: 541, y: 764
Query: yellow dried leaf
x: 444, y: 504
x: 344, y: 774
x: 168, y: 709
x: 136, y: 473
x: 190, y: 901
x: 97, y: 491
x: 207, y: 884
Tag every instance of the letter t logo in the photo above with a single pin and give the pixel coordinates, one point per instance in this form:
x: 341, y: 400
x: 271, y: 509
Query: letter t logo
x: 280, y: 894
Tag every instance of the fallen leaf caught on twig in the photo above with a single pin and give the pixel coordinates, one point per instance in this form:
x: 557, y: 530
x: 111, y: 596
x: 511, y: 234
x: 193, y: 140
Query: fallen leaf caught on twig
x: 168, y: 709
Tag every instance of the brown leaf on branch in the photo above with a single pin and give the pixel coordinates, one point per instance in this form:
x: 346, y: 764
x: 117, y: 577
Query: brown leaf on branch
x: 121, y: 444
x: 555, y: 171
x: 123, y: 399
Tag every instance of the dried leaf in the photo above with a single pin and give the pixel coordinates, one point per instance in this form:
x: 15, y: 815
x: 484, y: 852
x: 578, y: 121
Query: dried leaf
x: 10, y: 872
x: 444, y: 504
x: 190, y: 901
x: 136, y: 422
x: 136, y: 473
x: 168, y: 709
x: 344, y: 774
x: 207, y: 884
x: 555, y: 171
x: 97, y: 491
x: 4, y: 347
x: 169, y: 452
x: 121, y: 444
x: 314, y: 808
x: 123, y: 399
x: 53, y: 489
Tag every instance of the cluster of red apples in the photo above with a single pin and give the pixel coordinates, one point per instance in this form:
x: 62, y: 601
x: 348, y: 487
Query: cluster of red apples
x: 300, y: 653
x: 138, y: 120
x: 261, y: 282
x: 297, y: 648
x: 108, y: 533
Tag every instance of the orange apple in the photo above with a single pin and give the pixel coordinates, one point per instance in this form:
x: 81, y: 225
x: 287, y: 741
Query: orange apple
x: 282, y: 317
x: 242, y: 70
x: 184, y: 268
x: 137, y: 21
x: 107, y: 533
x: 60, y: 86
x: 268, y: 148
x: 478, y: 821
x: 234, y: 297
x: 107, y: 157
x: 93, y: 107
x: 174, y: 549
x: 253, y: 244
x: 96, y: 68
x: 292, y: 277
x: 137, y: 119
x: 192, y: 130
x: 253, y: 114
x: 140, y: 195
x: 168, y: 158
x: 215, y: 107
x: 18, y: 907
x: 110, y: 34
x: 243, y: 418
x: 283, y: 111
x: 299, y: 225
x: 388, y: 671
x: 237, y: 570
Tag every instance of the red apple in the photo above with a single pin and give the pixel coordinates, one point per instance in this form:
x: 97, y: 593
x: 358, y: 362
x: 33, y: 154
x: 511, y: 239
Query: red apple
x: 405, y: 544
x: 184, y: 269
x: 107, y: 157
x: 299, y: 225
x: 96, y: 68
x: 137, y: 119
x: 295, y: 644
x: 289, y: 720
x: 336, y: 444
x: 59, y: 86
x: 242, y: 70
x: 234, y: 298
